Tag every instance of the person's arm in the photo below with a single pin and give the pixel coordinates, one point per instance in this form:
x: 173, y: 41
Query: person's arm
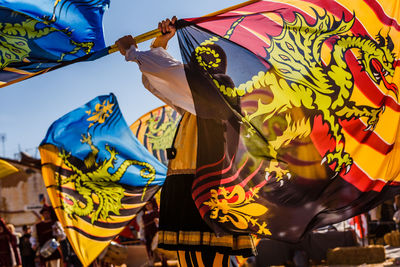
x: 14, y: 245
x: 168, y: 30
x: 156, y: 59
x: 58, y: 231
x: 33, y: 238
x: 163, y: 75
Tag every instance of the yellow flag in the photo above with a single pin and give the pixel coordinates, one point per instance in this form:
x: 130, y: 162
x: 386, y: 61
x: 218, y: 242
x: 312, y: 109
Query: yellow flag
x: 6, y: 169
x: 97, y: 174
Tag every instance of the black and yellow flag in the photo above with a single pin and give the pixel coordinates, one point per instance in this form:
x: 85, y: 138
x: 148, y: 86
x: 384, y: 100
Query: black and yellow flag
x: 97, y: 174
x: 156, y: 129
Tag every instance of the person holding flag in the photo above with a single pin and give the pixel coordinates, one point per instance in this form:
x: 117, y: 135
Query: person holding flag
x: 181, y: 226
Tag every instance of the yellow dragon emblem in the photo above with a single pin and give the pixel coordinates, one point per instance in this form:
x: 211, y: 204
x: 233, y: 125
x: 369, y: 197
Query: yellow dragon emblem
x: 298, y: 79
x: 96, y: 193
x: 161, y: 135
x: 15, y: 38
x: 89, y: 187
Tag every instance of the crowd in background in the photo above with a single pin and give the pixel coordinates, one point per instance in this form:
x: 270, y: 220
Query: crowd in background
x: 42, y: 245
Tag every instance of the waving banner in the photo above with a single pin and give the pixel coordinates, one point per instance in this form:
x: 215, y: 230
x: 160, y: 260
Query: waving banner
x: 306, y: 93
x: 156, y: 130
x: 97, y: 174
x: 6, y: 169
x: 37, y: 36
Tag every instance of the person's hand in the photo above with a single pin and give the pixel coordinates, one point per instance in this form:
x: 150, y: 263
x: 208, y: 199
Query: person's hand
x: 168, y: 30
x: 125, y: 43
x: 167, y: 27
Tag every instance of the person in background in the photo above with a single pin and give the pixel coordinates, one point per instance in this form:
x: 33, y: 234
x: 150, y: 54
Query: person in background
x: 11, y: 227
x: 45, y: 230
x: 25, y: 248
x: 9, y: 253
x: 396, y: 215
x: 150, y: 227
x: 387, y: 210
x: 382, y: 220
x: 69, y: 257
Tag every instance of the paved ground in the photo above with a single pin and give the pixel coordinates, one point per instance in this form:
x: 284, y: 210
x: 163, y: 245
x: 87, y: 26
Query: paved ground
x: 137, y: 257
x: 392, y: 259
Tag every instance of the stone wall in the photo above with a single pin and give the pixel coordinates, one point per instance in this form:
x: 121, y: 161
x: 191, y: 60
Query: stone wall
x: 20, y: 195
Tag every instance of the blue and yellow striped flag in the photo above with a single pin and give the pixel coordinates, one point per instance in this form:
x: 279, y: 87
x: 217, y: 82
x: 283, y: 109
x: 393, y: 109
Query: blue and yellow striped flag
x: 97, y: 174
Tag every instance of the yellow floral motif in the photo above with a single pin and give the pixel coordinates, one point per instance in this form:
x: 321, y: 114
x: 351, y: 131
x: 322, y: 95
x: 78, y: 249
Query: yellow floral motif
x: 207, y: 50
x: 101, y: 113
x: 237, y: 208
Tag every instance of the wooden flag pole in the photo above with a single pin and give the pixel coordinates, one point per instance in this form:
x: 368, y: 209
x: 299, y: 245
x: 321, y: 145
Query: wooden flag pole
x: 155, y: 33
x: 139, y: 39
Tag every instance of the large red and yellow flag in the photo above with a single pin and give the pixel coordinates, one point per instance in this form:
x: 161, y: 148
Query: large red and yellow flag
x: 306, y: 93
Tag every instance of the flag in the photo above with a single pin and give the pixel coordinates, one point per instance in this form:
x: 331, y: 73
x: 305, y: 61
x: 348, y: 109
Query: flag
x: 298, y: 113
x: 359, y: 224
x: 42, y: 35
x: 97, y: 174
x: 156, y: 130
x: 6, y: 169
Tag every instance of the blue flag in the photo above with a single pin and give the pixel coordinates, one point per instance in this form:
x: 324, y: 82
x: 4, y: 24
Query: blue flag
x: 40, y: 35
x: 97, y: 174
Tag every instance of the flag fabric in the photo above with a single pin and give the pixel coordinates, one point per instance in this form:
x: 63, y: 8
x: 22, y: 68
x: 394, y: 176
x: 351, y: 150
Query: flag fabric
x: 97, y: 174
x: 42, y: 35
x: 303, y: 96
x: 156, y: 130
x: 359, y: 224
x: 6, y: 169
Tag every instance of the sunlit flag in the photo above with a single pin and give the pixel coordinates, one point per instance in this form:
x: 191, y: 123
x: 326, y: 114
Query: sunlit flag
x: 97, y: 174
x: 156, y: 130
x: 37, y: 36
x: 305, y: 100
x: 6, y: 169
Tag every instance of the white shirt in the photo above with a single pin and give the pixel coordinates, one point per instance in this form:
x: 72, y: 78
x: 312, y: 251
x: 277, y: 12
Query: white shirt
x: 164, y: 76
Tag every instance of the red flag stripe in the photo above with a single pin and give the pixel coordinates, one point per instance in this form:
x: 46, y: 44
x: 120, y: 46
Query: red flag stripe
x: 337, y: 9
x: 380, y: 13
x: 205, y: 176
x: 199, y: 199
x: 199, y: 189
x: 371, y: 139
x: 210, y: 165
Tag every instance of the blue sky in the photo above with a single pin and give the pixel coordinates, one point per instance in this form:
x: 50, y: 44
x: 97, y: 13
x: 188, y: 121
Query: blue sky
x: 28, y: 108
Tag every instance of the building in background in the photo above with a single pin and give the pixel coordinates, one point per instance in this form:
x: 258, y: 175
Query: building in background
x: 22, y: 193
